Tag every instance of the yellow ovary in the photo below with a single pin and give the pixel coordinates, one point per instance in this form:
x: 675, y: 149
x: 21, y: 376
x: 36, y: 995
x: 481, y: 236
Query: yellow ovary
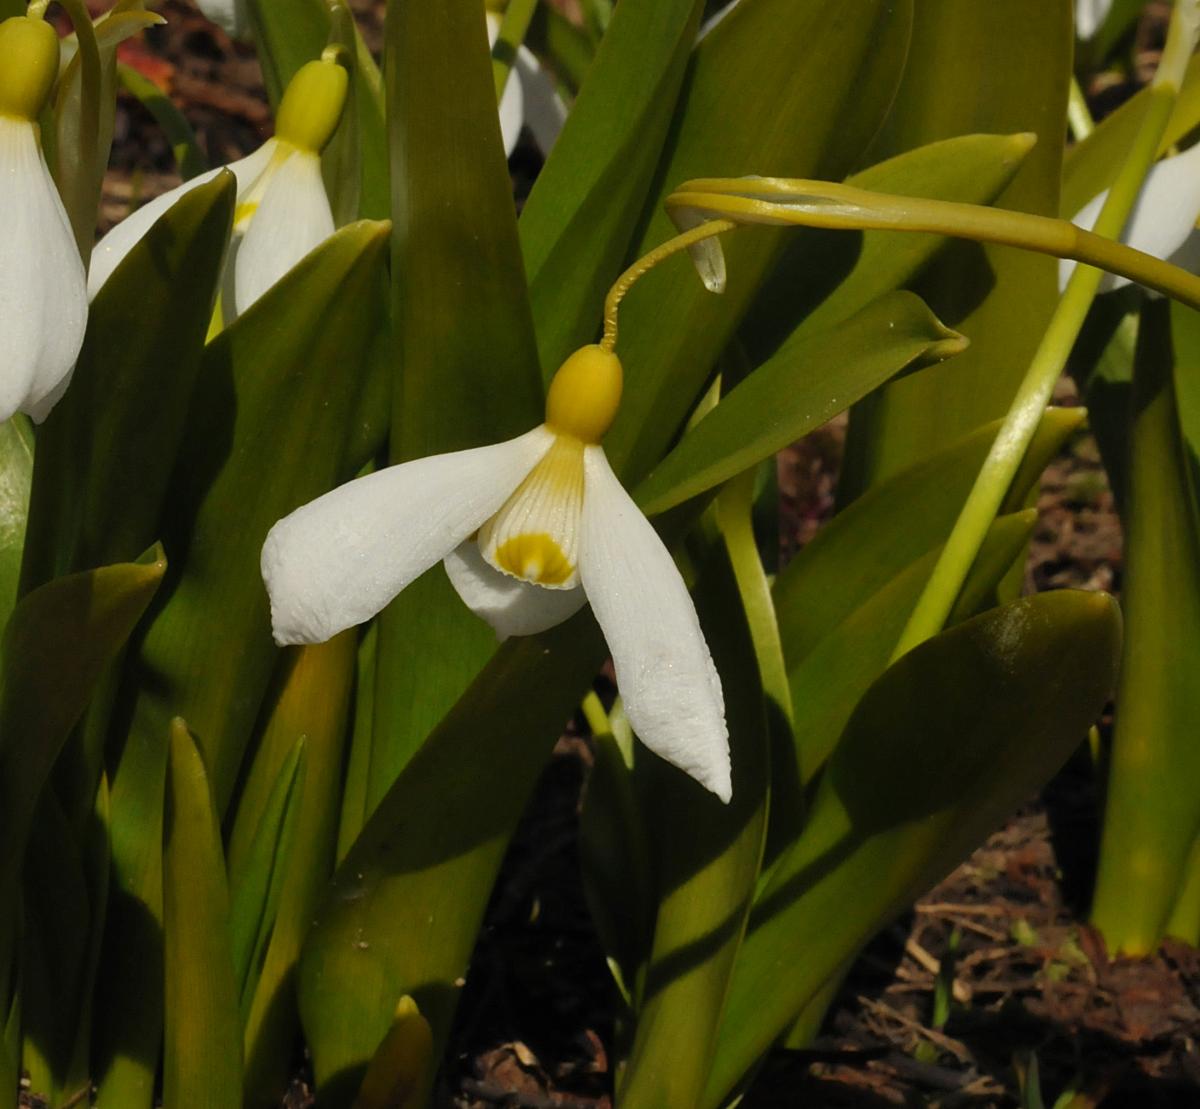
x: 535, y: 535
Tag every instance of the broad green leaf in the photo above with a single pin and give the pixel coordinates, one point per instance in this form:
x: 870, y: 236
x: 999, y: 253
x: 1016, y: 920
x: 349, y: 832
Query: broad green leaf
x: 834, y: 675
x: 16, y: 477
x: 189, y: 158
x: 803, y: 385
x: 202, y: 1056
x: 795, y: 88
x: 267, y: 434
x: 404, y: 908
x: 106, y: 451
x: 866, y: 545
x: 707, y: 857
x: 1184, y: 922
x: 256, y: 885
x: 358, y: 768
x: 1152, y: 812
x: 465, y: 359
x: 313, y: 703
x: 854, y: 268
x: 996, y: 68
x: 290, y: 34
x: 569, y: 49
x: 58, y: 642
x: 402, y: 1069
x: 582, y: 215
x: 944, y: 744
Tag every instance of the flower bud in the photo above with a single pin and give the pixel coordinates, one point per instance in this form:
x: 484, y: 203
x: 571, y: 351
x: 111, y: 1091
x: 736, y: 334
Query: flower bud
x: 312, y: 105
x: 585, y: 394
x: 28, y: 66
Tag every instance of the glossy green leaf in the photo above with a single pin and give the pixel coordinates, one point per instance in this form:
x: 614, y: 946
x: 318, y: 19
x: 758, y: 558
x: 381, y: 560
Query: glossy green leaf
x: 834, y: 675
x: 16, y: 477
x: 313, y: 704
x: 1152, y: 811
x: 267, y: 433
x: 791, y: 87
x: 855, y: 269
x: 868, y: 544
x: 189, y: 158
x: 582, y: 215
x: 707, y: 858
x: 804, y: 384
x: 255, y: 886
x: 568, y: 48
x: 405, y: 905
x: 465, y: 359
x: 57, y: 644
x: 290, y: 34
x: 944, y: 744
x: 973, y: 68
x: 106, y: 451
x: 202, y: 1056
x: 401, y: 1070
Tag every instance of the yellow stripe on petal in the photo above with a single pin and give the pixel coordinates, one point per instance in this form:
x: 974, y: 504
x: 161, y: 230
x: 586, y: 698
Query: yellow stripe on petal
x: 535, y: 535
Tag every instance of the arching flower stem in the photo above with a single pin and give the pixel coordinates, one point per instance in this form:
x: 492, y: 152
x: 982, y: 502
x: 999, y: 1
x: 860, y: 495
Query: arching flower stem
x: 684, y: 241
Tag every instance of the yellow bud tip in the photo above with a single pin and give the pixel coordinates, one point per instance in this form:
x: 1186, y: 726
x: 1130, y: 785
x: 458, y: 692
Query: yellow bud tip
x: 585, y: 394
x: 28, y: 66
x: 312, y: 105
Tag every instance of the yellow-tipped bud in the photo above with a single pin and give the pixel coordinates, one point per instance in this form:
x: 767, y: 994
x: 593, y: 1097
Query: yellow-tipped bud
x: 312, y: 105
x: 28, y: 65
x: 585, y: 394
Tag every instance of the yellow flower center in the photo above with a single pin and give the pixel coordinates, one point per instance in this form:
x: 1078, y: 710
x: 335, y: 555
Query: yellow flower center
x: 28, y: 66
x: 312, y: 105
x: 585, y: 394
x: 535, y: 535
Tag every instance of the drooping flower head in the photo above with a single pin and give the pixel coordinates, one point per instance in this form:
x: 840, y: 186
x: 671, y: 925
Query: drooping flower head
x: 282, y: 209
x: 43, y: 301
x: 529, y: 530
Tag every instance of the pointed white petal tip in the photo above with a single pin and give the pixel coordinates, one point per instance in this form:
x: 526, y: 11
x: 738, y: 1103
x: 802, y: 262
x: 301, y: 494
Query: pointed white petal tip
x: 670, y: 688
x: 510, y: 606
x: 229, y: 15
x: 340, y: 559
x: 43, y: 288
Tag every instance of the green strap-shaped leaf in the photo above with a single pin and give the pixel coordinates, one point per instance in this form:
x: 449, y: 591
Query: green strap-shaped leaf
x: 202, y: 1057
x: 944, y: 744
x: 789, y: 87
x: 708, y: 856
x: 866, y: 545
x: 1152, y: 809
x: 57, y: 644
x: 854, y: 269
x: 465, y: 360
x: 312, y: 704
x: 806, y: 383
x: 267, y: 433
x: 582, y: 215
x: 16, y: 478
x: 189, y: 158
x: 402, y: 913
x: 973, y: 68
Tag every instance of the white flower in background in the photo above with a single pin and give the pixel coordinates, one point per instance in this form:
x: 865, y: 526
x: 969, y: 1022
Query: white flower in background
x: 230, y: 15
x: 43, y: 298
x: 1163, y: 221
x: 529, y: 530
x: 1089, y: 16
x: 282, y: 208
x: 530, y: 99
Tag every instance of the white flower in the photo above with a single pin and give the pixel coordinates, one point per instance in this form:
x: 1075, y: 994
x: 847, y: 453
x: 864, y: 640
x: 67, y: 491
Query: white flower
x: 1163, y: 221
x: 282, y: 210
x: 230, y: 15
x: 529, y: 530
x: 43, y: 302
x: 1090, y: 16
x: 530, y: 99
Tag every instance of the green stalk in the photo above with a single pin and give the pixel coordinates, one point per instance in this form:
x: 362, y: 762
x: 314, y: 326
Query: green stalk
x: 513, y: 29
